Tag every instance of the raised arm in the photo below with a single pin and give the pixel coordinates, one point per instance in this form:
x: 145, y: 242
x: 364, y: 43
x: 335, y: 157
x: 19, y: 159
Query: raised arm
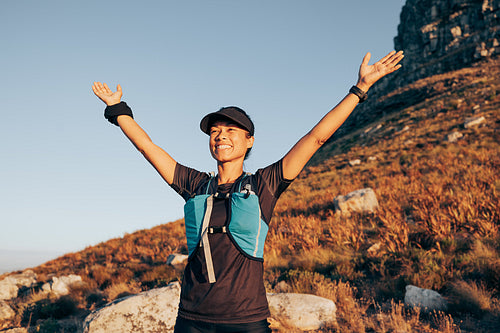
x: 295, y: 160
x: 161, y: 161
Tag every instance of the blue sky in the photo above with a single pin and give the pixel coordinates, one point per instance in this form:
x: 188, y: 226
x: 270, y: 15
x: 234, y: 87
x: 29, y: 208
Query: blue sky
x: 69, y: 179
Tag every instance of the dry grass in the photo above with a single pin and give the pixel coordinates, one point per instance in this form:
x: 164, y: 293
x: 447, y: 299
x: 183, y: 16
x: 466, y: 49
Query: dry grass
x: 437, y: 226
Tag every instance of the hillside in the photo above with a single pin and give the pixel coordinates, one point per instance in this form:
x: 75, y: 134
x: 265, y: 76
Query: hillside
x: 437, y: 226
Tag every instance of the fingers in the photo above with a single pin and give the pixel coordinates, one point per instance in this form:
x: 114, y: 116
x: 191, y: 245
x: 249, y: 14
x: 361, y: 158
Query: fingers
x: 397, y: 58
x: 106, y: 89
x: 393, y: 69
x: 97, y: 88
x: 392, y: 58
x: 387, y: 57
x: 103, y: 89
x: 366, y: 59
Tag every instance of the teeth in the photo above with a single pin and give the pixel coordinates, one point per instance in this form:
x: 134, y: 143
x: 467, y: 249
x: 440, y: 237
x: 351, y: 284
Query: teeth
x: 223, y: 146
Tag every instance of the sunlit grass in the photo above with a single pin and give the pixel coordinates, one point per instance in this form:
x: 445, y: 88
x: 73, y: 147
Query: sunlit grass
x: 437, y: 226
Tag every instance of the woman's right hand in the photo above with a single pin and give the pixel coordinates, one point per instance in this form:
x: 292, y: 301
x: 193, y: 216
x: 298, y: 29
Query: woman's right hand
x: 105, y: 94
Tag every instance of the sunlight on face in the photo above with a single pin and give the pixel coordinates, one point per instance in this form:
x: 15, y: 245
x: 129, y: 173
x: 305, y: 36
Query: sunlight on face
x: 229, y: 142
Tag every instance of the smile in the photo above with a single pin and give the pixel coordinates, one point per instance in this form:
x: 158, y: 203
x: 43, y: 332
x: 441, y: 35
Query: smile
x: 222, y: 147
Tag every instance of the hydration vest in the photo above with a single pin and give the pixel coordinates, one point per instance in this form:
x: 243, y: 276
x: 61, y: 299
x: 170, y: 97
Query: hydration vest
x: 245, y: 227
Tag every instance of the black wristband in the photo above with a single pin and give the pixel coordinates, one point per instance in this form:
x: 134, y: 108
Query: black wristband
x: 121, y: 109
x: 360, y: 93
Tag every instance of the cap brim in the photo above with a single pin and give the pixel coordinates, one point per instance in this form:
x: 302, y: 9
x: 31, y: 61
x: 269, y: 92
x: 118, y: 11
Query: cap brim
x: 212, y: 117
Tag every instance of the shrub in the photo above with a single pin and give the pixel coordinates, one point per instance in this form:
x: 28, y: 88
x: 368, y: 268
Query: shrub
x: 46, y: 308
x: 122, y: 289
x: 49, y: 326
x: 470, y: 297
x: 95, y: 300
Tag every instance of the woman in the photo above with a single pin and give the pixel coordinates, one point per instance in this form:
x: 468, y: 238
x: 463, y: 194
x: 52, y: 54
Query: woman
x: 227, y: 215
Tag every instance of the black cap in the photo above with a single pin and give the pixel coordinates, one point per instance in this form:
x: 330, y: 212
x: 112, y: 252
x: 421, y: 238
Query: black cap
x: 233, y: 114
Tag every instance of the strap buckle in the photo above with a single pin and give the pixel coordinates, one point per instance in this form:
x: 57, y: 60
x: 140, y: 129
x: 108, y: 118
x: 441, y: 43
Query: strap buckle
x: 217, y: 230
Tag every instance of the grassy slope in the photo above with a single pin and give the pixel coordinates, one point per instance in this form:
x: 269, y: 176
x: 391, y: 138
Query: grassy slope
x: 438, y: 222
x: 437, y: 226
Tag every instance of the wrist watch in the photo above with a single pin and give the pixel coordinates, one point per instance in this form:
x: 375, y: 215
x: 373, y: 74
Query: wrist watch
x: 360, y: 93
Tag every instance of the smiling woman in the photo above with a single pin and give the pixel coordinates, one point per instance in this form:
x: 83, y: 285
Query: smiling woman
x: 229, y: 141
x: 227, y: 215
x: 231, y: 116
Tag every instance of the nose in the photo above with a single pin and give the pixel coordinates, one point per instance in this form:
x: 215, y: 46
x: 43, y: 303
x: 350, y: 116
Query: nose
x: 220, y: 136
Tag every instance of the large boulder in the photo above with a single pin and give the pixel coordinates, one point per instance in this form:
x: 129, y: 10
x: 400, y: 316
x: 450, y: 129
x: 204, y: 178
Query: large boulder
x: 428, y: 300
x: 10, y: 285
x: 302, y: 311
x: 150, y: 311
x: 360, y: 201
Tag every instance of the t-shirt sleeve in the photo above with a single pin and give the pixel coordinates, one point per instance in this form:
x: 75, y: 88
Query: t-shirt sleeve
x: 187, y: 180
x: 272, y: 176
x: 271, y: 185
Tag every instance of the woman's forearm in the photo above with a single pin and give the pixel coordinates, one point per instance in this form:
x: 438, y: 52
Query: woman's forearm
x: 160, y: 159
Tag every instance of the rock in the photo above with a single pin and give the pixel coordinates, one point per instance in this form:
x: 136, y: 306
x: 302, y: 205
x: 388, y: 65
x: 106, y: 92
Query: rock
x: 372, y: 158
x: 355, y: 162
x: 8, y: 289
x: 16, y: 330
x: 405, y: 129
x: 62, y: 285
x: 10, y: 285
x: 437, y: 37
x: 473, y: 121
x: 176, y: 259
x: 282, y: 287
x: 458, y: 34
x: 453, y: 137
x: 6, y: 311
x: 370, y: 130
x: 429, y: 300
x: 301, y: 311
x: 150, y: 311
x: 374, y: 250
x: 360, y: 201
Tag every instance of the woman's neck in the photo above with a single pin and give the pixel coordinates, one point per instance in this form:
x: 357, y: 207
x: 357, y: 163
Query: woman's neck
x: 229, y: 172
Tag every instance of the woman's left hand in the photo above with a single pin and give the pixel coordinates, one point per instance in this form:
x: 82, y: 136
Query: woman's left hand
x: 369, y: 74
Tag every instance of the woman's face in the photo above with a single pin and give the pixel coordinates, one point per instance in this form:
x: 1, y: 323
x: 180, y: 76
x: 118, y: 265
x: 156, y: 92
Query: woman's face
x: 228, y: 142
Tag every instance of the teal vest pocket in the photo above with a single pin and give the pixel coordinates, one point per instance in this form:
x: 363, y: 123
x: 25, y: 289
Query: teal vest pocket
x: 194, y: 212
x: 246, y: 226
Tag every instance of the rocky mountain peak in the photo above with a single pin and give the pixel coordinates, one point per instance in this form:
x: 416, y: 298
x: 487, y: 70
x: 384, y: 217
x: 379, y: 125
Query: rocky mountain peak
x: 439, y: 36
